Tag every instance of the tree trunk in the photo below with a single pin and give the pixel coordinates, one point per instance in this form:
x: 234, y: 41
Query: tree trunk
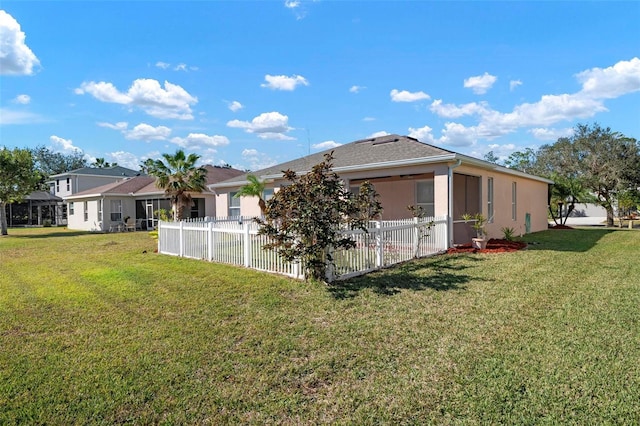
x: 609, y: 215
x: 3, y: 218
x: 262, y: 205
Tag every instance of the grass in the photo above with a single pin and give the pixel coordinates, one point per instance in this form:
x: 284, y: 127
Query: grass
x: 97, y: 329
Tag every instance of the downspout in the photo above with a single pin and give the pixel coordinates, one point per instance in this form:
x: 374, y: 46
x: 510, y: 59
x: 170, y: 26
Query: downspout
x: 450, y: 196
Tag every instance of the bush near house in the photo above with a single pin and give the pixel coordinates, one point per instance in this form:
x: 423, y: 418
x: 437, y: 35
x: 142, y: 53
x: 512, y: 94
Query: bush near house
x: 96, y: 329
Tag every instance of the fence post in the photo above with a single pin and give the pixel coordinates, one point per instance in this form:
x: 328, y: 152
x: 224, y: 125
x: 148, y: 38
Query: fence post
x: 181, y: 240
x: 159, y: 235
x: 247, y: 245
x: 416, y: 238
x: 209, y: 241
x: 379, y: 248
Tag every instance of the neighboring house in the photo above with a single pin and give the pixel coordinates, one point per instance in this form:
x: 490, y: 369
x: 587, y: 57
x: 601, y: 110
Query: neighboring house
x: 105, y: 207
x: 34, y: 210
x: 78, y: 180
x: 407, y: 172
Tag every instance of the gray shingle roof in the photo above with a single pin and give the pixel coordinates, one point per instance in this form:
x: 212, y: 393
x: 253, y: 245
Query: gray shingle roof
x: 358, y: 153
x: 115, y: 171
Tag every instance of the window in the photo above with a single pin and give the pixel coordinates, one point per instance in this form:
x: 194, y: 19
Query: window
x: 514, y: 202
x: 57, y: 185
x: 68, y: 184
x: 100, y: 210
x: 268, y: 194
x: 234, y: 205
x: 490, y: 200
x: 424, y: 196
x: 116, y: 210
x: 71, y: 208
x: 86, y: 211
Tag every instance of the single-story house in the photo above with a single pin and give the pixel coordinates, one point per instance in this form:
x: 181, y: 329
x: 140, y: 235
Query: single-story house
x: 105, y: 207
x: 408, y: 172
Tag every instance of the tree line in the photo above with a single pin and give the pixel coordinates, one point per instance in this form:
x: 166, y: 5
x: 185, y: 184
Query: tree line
x: 594, y: 165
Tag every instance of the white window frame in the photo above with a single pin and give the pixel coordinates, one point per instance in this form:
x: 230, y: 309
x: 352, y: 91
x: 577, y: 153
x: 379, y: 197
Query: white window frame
x: 86, y: 211
x: 68, y: 185
x: 233, y: 209
x: 100, y: 207
x: 490, y: 200
x: 71, y: 208
x: 116, y: 210
x: 428, y: 207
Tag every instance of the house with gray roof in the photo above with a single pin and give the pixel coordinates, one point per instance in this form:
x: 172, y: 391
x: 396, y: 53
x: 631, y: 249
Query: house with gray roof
x: 407, y: 172
x: 106, y: 207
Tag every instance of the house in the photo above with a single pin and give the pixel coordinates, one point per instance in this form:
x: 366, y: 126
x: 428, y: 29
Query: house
x: 64, y: 184
x: 408, y: 172
x: 105, y: 207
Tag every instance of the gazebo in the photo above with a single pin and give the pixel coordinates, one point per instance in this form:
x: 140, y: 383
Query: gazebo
x: 35, y: 209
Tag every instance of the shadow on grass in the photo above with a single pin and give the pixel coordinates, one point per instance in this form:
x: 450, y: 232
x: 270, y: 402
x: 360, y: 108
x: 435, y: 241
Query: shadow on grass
x: 575, y: 240
x: 51, y: 234
x: 439, y: 273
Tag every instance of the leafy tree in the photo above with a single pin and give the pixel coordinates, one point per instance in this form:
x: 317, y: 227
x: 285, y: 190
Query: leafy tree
x: 491, y: 157
x: 605, y: 163
x: 566, y: 192
x: 100, y: 163
x: 525, y: 161
x: 17, y: 179
x: 48, y: 162
x: 304, y: 219
x: 178, y: 176
x: 146, y: 164
x: 253, y: 188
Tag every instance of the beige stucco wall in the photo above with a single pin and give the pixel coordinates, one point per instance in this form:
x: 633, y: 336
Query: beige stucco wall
x: 396, y: 193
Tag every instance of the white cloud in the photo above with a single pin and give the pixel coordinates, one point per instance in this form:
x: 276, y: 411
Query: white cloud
x: 147, y: 133
x: 550, y: 134
x: 453, y: 111
x: 283, y: 82
x: 423, y: 134
x: 326, y: 145
x: 121, y: 125
x: 453, y: 134
x: 480, y: 83
x: 201, y: 140
x: 291, y: 4
x: 64, y: 145
x: 22, y: 99
x: 268, y: 125
x: 356, y: 89
x: 8, y: 116
x: 235, y: 106
x: 181, y: 67
x: 124, y: 159
x: 513, y: 84
x: 257, y: 160
x: 611, y: 82
x: 15, y: 56
x: 406, y: 96
x: 162, y: 65
x: 172, y: 101
x: 456, y: 134
x: 369, y: 119
x: 378, y: 134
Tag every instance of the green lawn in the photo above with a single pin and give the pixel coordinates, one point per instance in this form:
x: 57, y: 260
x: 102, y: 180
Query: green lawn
x: 97, y: 329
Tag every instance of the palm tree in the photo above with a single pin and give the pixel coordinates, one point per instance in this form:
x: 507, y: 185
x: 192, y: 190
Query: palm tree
x: 179, y: 177
x: 253, y: 188
x: 100, y: 163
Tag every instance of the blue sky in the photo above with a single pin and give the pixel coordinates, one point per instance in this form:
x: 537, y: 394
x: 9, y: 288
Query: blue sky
x: 253, y: 84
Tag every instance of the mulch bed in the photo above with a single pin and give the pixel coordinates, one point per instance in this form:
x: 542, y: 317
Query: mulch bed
x: 560, y: 227
x: 493, y: 246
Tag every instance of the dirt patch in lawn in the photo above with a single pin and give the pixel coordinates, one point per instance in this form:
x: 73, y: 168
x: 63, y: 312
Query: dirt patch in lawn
x: 493, y: 246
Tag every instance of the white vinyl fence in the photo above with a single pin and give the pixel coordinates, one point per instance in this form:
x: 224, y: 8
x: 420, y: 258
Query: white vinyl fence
x: 236, y: 241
